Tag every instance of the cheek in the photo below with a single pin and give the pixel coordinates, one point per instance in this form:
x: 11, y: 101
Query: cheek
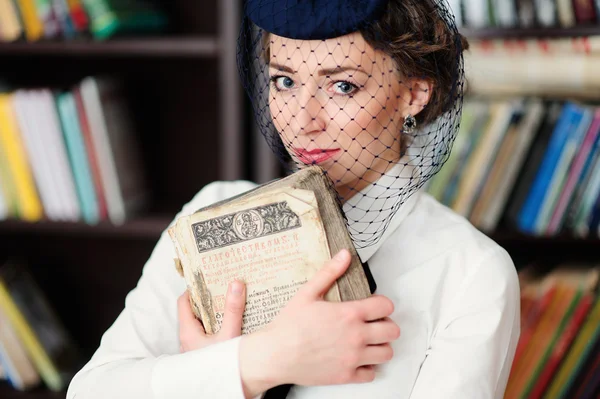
x: 373, y: 126
x: 281, y: 116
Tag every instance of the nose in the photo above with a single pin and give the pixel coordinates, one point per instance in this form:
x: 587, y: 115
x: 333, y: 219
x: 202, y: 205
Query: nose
x: 310, y: 114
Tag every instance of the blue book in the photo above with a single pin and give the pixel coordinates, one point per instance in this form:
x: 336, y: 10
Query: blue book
x: 582, y: 184
x: 559, y: 177
x: 567, y: 123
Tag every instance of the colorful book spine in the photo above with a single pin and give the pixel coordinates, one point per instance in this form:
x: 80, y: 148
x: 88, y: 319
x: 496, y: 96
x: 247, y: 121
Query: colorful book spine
x: 563, y: 164
x: 34, y: 348
x: 34, y: 29
x: 26, y: 197
x: 576, y: 356
x: 577, y: 170
x: 10, y: 26
x: 570, y: 117
x: 538, y: 381
x: 78, y: 157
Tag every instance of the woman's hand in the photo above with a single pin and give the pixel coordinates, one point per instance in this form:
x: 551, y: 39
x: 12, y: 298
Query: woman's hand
x: 191, y: 332
x: 315, y: 342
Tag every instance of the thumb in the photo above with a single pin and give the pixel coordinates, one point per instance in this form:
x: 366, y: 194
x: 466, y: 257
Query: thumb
x: 320, y: 283
x: 235, y: 303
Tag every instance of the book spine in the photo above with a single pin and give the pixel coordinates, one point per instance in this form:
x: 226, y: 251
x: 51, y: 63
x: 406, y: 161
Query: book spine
x: 538, y: 190
x: 30, y: 207
x: 34, y: 29
x: 581, y: 123
x: 585, y: 12
x: 561, y: 346
x: 35, y: 349
x: 569, y: 367
x: 10, y: 26
x: 574, y: 175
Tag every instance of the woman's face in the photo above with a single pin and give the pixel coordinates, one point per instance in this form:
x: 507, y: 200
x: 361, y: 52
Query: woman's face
x: 341, y: 104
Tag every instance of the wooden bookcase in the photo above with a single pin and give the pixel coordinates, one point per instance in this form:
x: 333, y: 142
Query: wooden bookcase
x: 188, y: 108
x: 193, y: 128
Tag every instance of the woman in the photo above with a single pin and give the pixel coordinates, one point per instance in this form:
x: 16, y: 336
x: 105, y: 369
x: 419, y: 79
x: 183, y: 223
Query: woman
x: 371, y: 91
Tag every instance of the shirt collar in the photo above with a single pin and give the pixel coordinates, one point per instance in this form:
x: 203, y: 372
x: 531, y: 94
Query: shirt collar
x: 370, y: 209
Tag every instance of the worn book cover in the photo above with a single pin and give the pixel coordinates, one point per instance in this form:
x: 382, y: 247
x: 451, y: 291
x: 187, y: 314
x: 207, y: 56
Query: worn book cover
x: 273, y: 238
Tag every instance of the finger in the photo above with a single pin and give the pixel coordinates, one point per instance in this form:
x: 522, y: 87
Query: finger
x: 320, y: 283
x: 364, y: 374
x: 381, y: 332
x: 188, y: 324
x: 377, y: 354
x: 235, y: 303
x: 374, y: 307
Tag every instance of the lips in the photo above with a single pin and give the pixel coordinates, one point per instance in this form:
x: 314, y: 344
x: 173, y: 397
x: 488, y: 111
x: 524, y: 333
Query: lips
x: 316, y: 156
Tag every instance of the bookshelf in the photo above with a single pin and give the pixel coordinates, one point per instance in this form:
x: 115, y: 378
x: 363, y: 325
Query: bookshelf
x: 192, y: 47
x: 189, y: 121
x: 193, y: 129
x: 531, y: 33
x: 550, y: 64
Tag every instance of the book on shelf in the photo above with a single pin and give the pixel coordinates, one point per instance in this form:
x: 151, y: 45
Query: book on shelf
x: 528, y: 163
x: 70, y: 154
x: 531, y: 72
x: 559, y: 331
x: 110, y: 18
x: 35, y: 20
x: 526, y: 13
x: 16, y: 365
x: 274, y: 238
x: 35, y: 347
x: 11, y: 27
x: 546, y: 48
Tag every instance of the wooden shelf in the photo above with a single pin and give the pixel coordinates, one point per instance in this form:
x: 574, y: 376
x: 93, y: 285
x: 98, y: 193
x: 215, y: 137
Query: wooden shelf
x: 531, y: 33
x: 185, y: 47
x: 148, y: 227
x: 8, y: 392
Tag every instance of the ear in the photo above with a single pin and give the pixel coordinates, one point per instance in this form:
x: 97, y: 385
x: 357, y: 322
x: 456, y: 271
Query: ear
x: 420, y: 94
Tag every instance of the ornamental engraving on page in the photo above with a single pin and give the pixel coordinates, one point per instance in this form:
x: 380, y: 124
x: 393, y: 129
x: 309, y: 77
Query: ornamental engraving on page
x: 244, y: 225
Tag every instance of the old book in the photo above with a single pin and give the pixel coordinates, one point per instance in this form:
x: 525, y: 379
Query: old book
x: 274, y: 238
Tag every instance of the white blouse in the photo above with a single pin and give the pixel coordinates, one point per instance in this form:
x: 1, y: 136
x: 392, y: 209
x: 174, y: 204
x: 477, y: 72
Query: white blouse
x: 456, y: 297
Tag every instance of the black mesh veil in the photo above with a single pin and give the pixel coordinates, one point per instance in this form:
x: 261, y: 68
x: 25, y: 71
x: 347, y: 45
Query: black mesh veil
x: 371, y: 91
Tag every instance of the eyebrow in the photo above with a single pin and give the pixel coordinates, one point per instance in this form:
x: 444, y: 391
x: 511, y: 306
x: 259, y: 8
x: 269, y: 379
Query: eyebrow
x: 334, y: 71
x: 282, y: 68
x: 322, y: 72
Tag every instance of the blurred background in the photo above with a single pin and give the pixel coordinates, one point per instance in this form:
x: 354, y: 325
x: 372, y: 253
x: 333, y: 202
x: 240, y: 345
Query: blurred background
x: 114, y: 113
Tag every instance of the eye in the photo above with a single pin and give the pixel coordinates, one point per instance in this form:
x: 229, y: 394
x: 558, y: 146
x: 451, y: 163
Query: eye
x: 283, y: 82
x: 344, y: 87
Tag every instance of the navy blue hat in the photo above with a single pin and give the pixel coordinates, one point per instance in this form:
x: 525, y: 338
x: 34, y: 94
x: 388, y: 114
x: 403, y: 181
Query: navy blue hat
x: 313, y: 19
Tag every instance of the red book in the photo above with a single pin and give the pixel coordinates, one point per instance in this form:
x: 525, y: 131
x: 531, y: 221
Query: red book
x: 91, y: 153
x: 528, y: 328
x: 78, y: 15
x: 585, y: 11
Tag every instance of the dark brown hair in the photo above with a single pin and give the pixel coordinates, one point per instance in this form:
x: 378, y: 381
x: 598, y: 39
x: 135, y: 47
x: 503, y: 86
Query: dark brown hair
x: 424, y: 43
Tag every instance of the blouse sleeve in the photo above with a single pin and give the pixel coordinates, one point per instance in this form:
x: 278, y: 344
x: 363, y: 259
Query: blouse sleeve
x: 471, y: 354
x: 139, y: 357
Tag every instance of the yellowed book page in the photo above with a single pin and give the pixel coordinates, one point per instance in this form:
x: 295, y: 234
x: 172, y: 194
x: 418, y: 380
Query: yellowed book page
x: 274, y: 243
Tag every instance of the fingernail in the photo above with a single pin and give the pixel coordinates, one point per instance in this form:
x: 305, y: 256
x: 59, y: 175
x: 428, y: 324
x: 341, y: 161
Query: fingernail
x: 236, y: 288
x: 341, y: 255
